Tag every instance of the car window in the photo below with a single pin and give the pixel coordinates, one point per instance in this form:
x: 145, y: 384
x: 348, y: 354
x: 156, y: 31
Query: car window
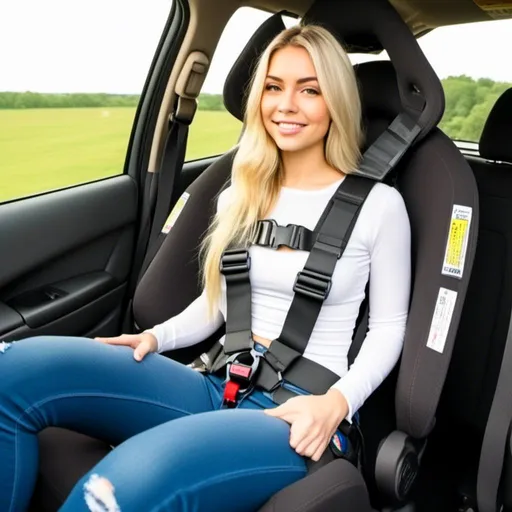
x: 69, y: 87
x: 472, y: 62
x: 214, y: 130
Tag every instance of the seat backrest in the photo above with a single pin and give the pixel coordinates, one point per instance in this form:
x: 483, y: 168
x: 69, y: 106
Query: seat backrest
x: 433, y: 178
x: 485, y: 319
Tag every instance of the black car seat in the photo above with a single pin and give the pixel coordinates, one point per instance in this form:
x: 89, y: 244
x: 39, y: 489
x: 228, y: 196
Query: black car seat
x: 480, y: 342
x: 433, y: 178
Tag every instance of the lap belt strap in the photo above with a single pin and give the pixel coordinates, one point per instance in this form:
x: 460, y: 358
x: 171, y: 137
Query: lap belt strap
x: 313, y: 283
x: 496, y: 434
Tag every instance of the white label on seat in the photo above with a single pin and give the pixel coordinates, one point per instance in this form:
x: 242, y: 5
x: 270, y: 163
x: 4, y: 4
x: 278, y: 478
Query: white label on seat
x: 175, y: 213
x: 457, y: 245
x: 442, y: 319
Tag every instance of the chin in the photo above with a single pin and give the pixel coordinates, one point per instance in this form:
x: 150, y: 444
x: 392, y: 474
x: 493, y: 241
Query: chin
x: 291, y: 146
x: 285, y: 144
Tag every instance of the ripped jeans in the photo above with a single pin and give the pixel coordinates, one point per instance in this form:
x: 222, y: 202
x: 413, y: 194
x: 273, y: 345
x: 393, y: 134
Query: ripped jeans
x: 176, y: 449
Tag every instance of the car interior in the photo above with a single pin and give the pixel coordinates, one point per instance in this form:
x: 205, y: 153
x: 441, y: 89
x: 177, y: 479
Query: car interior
x: 73, y: 265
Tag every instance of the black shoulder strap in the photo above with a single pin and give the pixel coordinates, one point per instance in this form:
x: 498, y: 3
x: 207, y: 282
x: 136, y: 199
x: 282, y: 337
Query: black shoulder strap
x: 337, y: 222
x: 172, y: 162
x: 313, y: 283
x: 235, y: 265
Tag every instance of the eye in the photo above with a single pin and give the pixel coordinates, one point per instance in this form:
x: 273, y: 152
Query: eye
x: 311, y: 92
x: 272, y: 87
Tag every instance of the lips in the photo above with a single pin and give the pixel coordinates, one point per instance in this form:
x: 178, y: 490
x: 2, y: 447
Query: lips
x: 289, y: 128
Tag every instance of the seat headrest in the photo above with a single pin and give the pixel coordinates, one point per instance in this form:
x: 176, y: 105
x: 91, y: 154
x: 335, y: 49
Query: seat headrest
x: 380, y: 99
x: 237, y: 81
x: 420, y: 90
x: 495, y: 142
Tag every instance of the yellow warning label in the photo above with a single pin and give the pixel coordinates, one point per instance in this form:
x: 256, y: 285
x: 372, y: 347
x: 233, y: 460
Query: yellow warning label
x: 175, y: 213
x: 456, y: 247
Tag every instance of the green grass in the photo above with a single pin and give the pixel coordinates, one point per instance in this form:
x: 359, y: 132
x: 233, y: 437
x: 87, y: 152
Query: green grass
x: 49, y: 149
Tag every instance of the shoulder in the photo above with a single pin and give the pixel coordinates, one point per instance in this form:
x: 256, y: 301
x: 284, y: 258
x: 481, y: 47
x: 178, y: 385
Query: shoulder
x: 384, y: 215
x: 384, y: 203
x: 386, y: 197
x: 225, y: 197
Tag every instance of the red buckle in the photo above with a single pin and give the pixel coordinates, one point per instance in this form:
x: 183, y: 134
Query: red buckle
x: 240, y: 370
x: 230, y: 393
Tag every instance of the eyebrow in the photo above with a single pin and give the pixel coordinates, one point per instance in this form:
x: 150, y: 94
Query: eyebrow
x: 299, y: 81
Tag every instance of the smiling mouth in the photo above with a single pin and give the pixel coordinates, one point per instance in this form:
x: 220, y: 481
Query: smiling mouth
x: 284, y: 124
x: 287, y: 128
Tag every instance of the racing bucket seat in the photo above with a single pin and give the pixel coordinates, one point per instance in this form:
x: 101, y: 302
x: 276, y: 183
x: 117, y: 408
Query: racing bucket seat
x: 442, y: 202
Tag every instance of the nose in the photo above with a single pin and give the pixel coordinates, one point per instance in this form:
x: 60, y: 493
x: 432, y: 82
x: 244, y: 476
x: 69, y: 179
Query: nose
x: 287, y: 102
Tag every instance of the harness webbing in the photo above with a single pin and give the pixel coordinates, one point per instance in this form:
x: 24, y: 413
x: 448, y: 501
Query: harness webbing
x: 312, y: 286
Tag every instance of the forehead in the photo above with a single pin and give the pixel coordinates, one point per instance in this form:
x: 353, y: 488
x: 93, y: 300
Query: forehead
x: 291, y: 62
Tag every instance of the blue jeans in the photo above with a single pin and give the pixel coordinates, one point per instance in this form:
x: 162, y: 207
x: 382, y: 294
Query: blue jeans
x: 177, y: 450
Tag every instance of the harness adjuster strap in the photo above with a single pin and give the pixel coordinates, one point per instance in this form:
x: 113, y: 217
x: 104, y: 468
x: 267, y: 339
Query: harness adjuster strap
x: 235, y: 261
x: 312, y: 284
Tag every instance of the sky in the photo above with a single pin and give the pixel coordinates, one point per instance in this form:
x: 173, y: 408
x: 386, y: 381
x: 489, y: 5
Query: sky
x: 107, y: 46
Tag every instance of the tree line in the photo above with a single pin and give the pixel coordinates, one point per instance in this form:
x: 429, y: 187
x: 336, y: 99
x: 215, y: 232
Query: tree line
x: 24, y: 100
x: 468, y: 103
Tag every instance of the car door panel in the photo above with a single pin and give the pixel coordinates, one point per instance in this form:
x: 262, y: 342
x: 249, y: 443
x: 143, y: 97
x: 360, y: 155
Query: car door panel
x: 65, y: 259
x: 38, y: 229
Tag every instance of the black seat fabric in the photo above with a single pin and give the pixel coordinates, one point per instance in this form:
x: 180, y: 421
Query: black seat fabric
x: 433, y: 168
x: 480, y: 342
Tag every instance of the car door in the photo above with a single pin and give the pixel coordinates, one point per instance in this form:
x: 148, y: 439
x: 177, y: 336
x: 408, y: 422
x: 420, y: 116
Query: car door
x: 72, y: 160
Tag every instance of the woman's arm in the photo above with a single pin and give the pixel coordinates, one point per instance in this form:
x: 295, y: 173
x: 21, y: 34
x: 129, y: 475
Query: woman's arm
x: 314, y: 418
x: 191, y: 326
x: 390, y: 281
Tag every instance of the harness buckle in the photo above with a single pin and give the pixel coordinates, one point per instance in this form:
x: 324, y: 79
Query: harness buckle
x: 270, y: 234
x: 240, y: 375
x: 312, y: 284
x: 288, y: 235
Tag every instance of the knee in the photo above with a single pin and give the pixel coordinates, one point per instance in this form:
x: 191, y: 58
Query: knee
x: 99, y: 495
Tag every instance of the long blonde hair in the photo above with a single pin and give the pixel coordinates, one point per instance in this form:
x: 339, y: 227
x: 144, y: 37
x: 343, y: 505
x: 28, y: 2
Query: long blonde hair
x: 257, y: 174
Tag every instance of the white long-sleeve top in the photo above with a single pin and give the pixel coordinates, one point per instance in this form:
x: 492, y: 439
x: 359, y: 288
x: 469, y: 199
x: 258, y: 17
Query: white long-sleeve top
x: 379, y: 249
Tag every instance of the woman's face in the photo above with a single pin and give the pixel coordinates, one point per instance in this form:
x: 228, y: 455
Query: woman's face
x: 293, y: 109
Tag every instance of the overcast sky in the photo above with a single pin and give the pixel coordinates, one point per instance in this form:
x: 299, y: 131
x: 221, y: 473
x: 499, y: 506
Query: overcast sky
x: 107, y: 45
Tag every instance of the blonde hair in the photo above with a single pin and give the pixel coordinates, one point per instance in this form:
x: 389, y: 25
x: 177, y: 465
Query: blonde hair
x: 257, y: 174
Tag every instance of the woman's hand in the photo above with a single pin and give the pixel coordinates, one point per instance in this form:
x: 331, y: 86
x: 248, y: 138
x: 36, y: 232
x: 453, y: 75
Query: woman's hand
x: 313, y: 419
x: 142, y: 344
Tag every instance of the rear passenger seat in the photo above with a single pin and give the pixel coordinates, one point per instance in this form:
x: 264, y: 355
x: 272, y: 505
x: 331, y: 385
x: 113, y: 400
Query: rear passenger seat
x: 483, y: 328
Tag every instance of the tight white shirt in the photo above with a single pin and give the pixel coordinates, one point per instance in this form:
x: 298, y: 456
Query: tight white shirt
x: 379, y: 249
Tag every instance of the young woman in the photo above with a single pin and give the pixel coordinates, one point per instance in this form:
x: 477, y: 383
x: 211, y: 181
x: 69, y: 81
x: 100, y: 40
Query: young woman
x: 178, y: 448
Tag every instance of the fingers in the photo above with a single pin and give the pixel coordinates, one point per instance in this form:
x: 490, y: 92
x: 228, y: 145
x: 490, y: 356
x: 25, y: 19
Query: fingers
x: 142, y: 350
x: 312, y: 447
x: 302, y: 433
x: 283, y: 411
x: 142, y: 344
x: 319, y: 451
x: 128, y: 340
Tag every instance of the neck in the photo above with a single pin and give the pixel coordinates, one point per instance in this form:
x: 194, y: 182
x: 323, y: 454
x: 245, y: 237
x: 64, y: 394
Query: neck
x: 307, y: 169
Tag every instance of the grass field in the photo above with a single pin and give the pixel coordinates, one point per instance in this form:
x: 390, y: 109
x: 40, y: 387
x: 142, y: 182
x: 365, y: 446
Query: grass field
x: 47, y: 149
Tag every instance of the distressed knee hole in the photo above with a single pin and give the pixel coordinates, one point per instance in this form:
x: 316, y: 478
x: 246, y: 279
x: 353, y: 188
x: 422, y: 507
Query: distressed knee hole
x: 99, y: 495
x: 4, y: 346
